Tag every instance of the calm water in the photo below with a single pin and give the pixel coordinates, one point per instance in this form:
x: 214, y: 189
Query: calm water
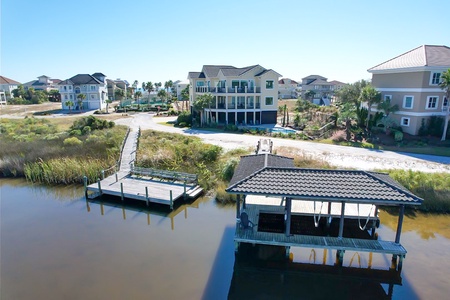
x: 55, y: 245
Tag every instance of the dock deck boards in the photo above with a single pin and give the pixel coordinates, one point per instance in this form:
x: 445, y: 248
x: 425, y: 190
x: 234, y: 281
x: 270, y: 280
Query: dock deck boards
x: 134, y: 188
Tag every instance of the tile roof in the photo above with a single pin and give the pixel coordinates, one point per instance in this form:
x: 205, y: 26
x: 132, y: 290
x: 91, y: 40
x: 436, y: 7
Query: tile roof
x: 282, y: 81
x: 251, y: 163
x: 321, y: 185
x: 196, y: 75
x: 81, y: 79
x: 425, y: 55
x: 213, y: 70
x: 6, y: 80
x: 315, y: 77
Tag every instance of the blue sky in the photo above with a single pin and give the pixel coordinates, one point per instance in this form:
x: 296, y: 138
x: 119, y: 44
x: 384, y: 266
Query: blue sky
x: 148, y: 40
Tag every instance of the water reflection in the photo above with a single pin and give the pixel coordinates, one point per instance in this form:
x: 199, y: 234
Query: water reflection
x: 426, y: 225
x: 138, y: 207
x: 280, y: 278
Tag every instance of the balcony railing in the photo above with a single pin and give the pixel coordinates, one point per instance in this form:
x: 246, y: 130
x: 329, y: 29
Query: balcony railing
x: 229, y: 90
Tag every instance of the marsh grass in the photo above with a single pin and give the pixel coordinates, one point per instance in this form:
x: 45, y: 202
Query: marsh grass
x: 38, y: 150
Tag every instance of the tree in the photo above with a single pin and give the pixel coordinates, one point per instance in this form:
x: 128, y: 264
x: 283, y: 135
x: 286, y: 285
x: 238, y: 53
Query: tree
x: 371, y: 96
x: 69, y: 104
x: 149, y: 88
x: 157, y: 85
x: 386, y: 107
x: 310, y: 95
x: 54, y: 96
x: 168, y: 84
x: 80, y: 98
x: 119, y: 94
x: 185, y: 95
x: 445, y: 85
x: 135, y: 85
x: 137, y: 95
x: 347, y: 114
x: 202, y: 102
x: 162, y: 95
x: 19, y: 92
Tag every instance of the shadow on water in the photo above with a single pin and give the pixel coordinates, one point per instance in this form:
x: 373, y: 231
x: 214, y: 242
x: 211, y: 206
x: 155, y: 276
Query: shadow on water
x: 221, y: 271
x: 281, y: 278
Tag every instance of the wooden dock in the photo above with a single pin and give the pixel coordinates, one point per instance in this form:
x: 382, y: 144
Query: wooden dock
x: 145, y: 184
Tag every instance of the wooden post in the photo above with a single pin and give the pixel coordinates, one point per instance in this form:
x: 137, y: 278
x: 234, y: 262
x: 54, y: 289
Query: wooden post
x: 288, y: 216
x: 324, y: 261
x: 184, y: 193
x: 85, y: 186
x: 146, y: 194
x: 238, y: 206
x: 244, y: 204
x: 99, y: 186
x: 103, y: 174
x: 399, y: 224
x: 341, y: 221
x: 88, y: 206
x: 117, y: 178
x: 102, y: 210
x: 329, y: 216
x: 121, y: 190
x: 172, y: 225
x: 148, y: 218
x: 123, y: 213
x: 171, y: 200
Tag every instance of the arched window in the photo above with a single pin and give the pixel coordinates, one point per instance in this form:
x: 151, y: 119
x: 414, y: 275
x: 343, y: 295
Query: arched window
x: 77, y: 90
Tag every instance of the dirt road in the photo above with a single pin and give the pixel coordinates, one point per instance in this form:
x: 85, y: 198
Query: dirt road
x: 340, y: 156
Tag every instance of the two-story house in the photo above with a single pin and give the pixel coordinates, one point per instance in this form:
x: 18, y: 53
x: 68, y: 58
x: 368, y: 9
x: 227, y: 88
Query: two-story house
x: 411, y: 80
x: 247, y: 95
x: 287, y: 88
x: 7, y: 85
x: 179, y: 86
x: 318, y: 90
x: 114, y: 85
x: 93, y: 87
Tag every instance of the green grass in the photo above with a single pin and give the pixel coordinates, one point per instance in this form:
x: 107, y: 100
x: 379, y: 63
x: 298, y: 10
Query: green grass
x: 42, y: 152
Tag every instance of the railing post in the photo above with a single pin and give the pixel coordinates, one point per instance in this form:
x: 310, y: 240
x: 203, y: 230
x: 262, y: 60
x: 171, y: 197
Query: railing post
x: 121, y: 190
x: 85, y: 186
x: 99, y: 186
x: 117, y: 178
x: 146, y: 194
x: 184, y: 186
x: 103, y: 174
x: 171, y: 200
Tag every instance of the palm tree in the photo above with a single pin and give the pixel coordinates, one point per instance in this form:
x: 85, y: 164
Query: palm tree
x: 162, y: 94
x: 387, y: 108
x: 370, y: 95
x: 69, y: 104
x: 80, y: 98
x: 310, y: 95
x: 135, y: 85
x: 149, y: 88
x: 347, y: 114
x: 445, y: 85
x: 137, y: 95
x: 202, y: 102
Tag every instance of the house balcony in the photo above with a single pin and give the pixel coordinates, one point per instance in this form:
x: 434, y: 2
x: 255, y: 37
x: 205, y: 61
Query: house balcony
x: 232, y: 105
x: 228, y: 90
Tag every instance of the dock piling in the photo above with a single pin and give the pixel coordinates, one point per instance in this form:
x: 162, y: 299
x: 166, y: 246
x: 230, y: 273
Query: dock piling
x: 146, y: 194
x: 121, y: 190
x: 184, y: 186
x: 103, y: 174
x: 171, y: 200
x: 99, y: 186
x: 117, y: 178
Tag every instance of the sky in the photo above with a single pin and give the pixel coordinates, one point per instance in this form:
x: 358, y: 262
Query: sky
x: 147, y: 40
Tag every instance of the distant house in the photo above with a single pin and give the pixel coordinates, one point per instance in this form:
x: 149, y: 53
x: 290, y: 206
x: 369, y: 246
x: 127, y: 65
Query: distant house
x: 44, y: 83
x: 7, y: 85
x: 179, y: 86
x: 411, y: 80
x: 247, y: 95
x: 113, y: 85
x: 287, y: 88
x: 93, y: 86
x: 322, y: 91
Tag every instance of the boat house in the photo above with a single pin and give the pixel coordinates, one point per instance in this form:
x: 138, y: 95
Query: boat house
x: 281, y: 205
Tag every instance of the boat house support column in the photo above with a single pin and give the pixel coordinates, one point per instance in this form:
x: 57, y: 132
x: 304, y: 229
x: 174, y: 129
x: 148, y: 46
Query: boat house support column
x: 288, y: 215
x: 397, y: 238
x: 340, y: 253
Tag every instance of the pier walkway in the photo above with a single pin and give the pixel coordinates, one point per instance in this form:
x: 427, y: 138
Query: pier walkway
x: 149, y: 185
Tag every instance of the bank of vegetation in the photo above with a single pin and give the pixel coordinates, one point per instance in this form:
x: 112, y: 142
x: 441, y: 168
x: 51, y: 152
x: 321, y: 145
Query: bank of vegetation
x: 42, y: 152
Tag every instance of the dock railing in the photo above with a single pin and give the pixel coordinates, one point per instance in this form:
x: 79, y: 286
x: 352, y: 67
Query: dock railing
x: 163, y: 174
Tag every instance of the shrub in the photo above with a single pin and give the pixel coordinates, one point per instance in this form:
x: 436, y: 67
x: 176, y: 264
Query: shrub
x: 86, y: 130
x: 72, y: 141
x: 75, y: 132
x: 185, y: 118
x: 228, y: 169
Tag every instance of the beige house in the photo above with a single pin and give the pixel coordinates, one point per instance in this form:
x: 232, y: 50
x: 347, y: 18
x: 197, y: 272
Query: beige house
x: 322, y: 89
x: 247, y: 95
x: 411, y: 80
x: 288, y: 88
x: 44, y: 83
x: 7, y: 85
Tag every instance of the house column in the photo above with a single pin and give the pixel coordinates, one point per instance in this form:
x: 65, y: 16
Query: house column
x: 341, y: 222
x: 238, y: 206
x: 400, y: 223
x: 226, y: 106
x: 288, y: 215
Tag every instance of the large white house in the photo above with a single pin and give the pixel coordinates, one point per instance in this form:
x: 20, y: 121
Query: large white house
x: 247, y: 95
x: 93, y: 87
x: 7, y: 85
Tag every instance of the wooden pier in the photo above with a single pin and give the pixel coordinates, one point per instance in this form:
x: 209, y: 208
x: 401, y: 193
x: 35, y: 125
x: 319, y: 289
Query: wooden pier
x: 149, y: 185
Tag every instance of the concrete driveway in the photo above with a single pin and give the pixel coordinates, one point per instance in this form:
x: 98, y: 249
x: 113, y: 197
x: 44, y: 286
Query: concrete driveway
x: 339, y: 156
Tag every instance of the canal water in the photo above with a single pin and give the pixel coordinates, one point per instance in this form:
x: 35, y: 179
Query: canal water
x: 55, y: 245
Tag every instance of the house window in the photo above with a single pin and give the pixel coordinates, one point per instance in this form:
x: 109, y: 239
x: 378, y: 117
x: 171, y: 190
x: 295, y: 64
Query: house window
x: 444, y: 104
x: 269, y: 100
x: 269, y: 85
x: 77, y: 90
x: 92, y: 96
x: 70, y: 87
x: 70, y: 97
x: 65, y: 88
x: 92, y: 87
x: 387, y: 97
x: 65, y: 97
x: 408, y: 102
x: 432, y: 102
x: 435, y: 78
x: 405, y: 122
